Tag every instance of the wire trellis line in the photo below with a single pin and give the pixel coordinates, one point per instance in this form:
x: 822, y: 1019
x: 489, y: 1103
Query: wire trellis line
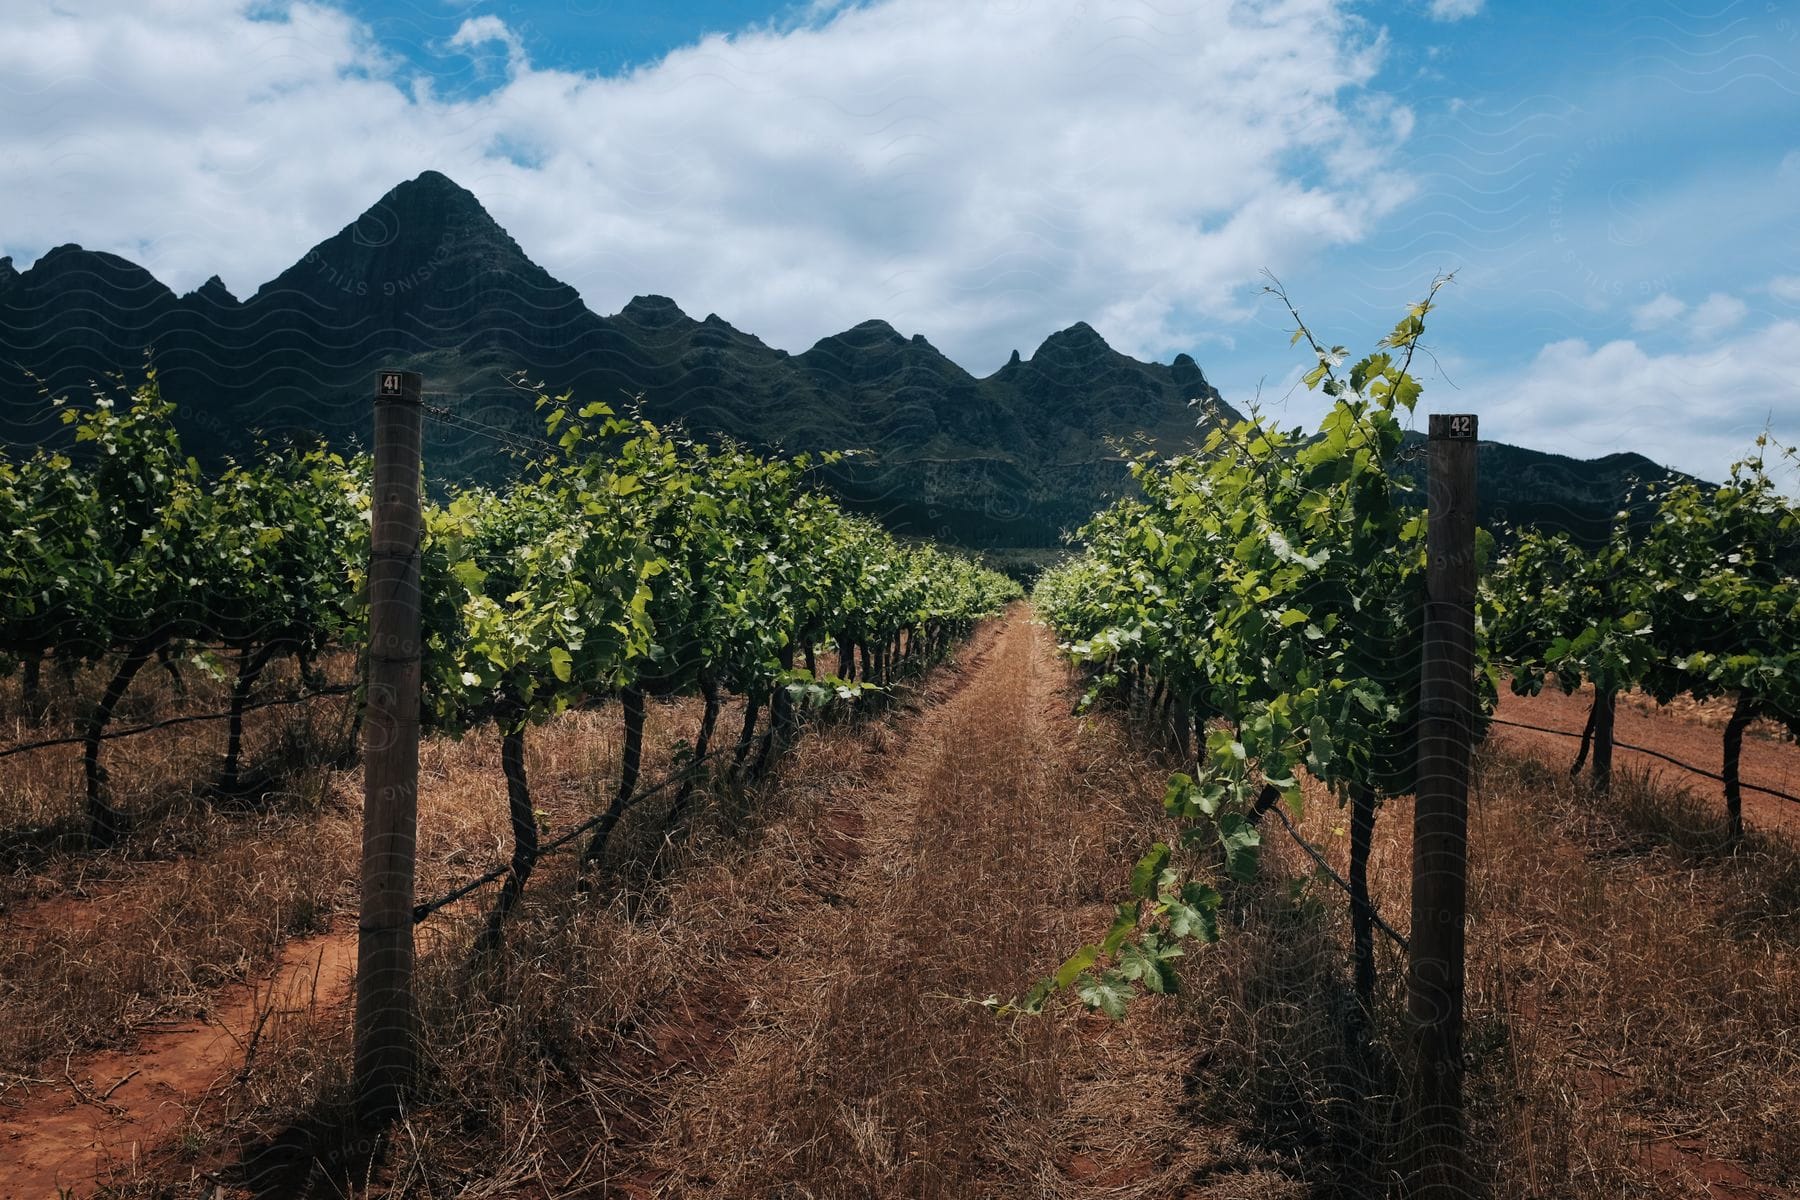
x: 511, y: 438
x: 134, y: 730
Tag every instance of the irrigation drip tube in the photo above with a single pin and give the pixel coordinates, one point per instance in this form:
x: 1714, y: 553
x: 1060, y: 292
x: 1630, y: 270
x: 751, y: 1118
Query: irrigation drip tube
x: 1319, y: 857
x: 426, y: 909
x: 496, y: 873
x: 1749, y: 787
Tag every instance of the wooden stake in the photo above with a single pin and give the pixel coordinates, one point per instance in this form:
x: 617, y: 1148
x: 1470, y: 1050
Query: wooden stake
x: 1440, y: 815
x: 386, y: 1034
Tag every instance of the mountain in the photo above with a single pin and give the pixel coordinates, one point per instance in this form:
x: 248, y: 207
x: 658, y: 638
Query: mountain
x: 427, y: 280
x: 74, y: 317
x: 1516, y: 488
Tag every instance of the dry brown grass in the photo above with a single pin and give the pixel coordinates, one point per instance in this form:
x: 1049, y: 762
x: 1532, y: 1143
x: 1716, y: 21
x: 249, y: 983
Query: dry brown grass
x: 972, y: 858
x: 1633, y: 1002
x: 95, y: 947
x: 158, y: 939
x: 84, y: 974
x: 1648, y: 983
x: 99, y: 947
x: 1710, y: 714
x: 788, y: 1012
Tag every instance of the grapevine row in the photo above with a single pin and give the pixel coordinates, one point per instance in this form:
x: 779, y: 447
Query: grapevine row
x: 628, y: 563
x: 1700, y: 600
x: 1270, y: 588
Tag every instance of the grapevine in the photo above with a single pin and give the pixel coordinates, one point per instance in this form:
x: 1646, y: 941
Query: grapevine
x: 1273, y: 585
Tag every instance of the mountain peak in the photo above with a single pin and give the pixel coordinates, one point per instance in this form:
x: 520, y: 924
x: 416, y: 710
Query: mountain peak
x: 434, y: 201
x: 1190, y: 378
x: 865, y: 335
x: 432, y: 189
x: 213, y: 290
x: 428, y: 233
x: 57, y: 253
x: 1080, y: 338
x: 437, y: 181
x: 653, y: 312
x: 69, y: 269
x: 73, y: 256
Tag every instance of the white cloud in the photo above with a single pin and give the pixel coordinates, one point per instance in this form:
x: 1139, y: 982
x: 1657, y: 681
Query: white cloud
x: 1715, y: 314
x: 1785, y: 288
x: 976, y: 173
x: 1707, y: 319
x: 1698, y: 411
x: 1655, y: 314
x: 476, y: 32
x: 1454, y: 10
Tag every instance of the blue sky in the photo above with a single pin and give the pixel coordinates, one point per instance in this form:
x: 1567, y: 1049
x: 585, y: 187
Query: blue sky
x: 1616, y: 186
x: 600, y: 36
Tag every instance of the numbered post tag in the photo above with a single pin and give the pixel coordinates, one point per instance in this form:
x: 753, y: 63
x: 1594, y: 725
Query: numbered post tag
x: 1455, y: 427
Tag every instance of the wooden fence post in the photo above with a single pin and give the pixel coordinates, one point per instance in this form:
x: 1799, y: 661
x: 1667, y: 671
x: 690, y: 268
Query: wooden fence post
x: 386, y: 1033
x: 1440, y: 815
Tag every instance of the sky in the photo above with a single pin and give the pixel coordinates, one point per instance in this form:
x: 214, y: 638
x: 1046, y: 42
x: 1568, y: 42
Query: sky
x: 1615, y: 184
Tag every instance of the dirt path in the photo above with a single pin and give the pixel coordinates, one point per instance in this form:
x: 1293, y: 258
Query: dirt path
x: 1679, y: 734
x: 986, y: 843
x: 113, y: 1108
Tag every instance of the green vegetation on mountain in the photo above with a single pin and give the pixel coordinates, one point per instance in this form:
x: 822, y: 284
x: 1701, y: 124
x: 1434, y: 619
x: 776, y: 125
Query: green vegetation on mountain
x: 427, y: 280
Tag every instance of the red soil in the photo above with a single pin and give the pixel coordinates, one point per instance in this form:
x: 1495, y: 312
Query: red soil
x: 1766, y: 761
x: 114, y: 1107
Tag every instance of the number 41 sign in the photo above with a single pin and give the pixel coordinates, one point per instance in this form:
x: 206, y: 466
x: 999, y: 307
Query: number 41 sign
x: 397, y: 385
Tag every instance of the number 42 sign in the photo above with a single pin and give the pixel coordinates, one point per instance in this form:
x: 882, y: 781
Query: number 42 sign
x: 1454, y: 426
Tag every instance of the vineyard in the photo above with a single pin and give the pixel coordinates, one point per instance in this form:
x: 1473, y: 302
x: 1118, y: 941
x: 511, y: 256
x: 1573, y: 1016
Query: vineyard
x: 1266, y: 596
x: 868, y: 857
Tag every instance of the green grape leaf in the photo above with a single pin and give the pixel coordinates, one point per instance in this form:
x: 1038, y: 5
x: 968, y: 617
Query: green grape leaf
x: 1144, y: 874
